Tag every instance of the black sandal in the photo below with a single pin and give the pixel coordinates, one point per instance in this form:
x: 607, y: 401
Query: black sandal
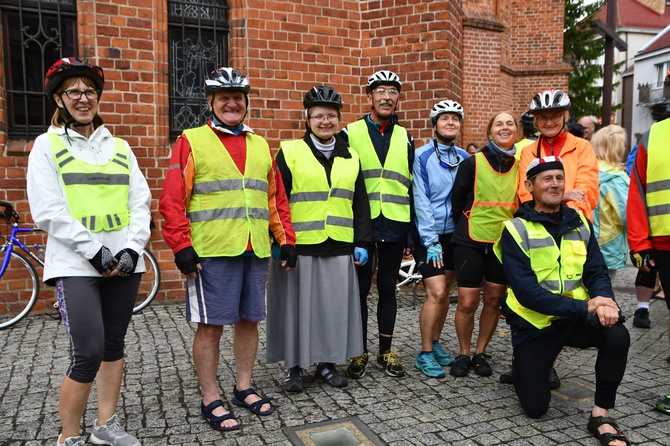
x: 605, y: 438
x: 328, y: 373
x: 240, y: 395
x: 214, y: 420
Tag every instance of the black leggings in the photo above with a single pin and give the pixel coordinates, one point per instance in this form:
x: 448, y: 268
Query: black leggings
x: 533, y: 361
x: 388, y: 257
x: 96, y: 313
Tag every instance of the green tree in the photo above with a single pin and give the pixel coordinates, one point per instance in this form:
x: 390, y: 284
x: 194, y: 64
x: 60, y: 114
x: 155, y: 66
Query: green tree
x: 582, y: 49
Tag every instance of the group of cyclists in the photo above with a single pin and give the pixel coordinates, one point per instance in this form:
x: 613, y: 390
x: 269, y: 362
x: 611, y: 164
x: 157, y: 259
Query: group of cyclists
x: 340, y: 206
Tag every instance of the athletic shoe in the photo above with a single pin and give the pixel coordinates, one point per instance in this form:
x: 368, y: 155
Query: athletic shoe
x: 481, y: 365
x: 641, y: 318
x: 111, y: 433
x: 663, y: 405
x: 357, y: 366
x: 441, y: 356
x: 507, y: 378
x: 428, y: 365
x: 554, y: 380
x: 391, y: 364
x: 71, y: 441
x: 461, y: 366
x: 293, y: 380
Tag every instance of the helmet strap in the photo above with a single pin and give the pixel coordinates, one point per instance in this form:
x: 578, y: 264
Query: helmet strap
x: 211, y: 106
x: 442, y: 138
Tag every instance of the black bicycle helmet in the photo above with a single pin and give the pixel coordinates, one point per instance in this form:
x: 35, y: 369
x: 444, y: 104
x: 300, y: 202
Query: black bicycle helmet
x: 550, y: 100
x: 383, y: 77
x: 528, y: 124
x: 71, y: 67
x: 322, y: 95
x: 226, y: 78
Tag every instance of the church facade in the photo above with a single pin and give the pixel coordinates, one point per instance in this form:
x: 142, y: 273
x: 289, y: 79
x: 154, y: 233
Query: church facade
x: 490, y: 55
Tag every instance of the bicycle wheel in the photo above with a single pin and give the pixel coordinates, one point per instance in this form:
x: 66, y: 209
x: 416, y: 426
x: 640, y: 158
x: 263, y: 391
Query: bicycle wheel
x: 19, y: 289
x: 151, y: 280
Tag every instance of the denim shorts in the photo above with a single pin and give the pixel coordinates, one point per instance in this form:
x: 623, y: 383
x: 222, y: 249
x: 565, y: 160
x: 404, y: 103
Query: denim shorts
x: 226, y: 290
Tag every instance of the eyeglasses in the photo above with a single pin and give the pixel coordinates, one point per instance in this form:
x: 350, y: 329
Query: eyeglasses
x: 75, y: 94
x: 554, y: 118
x: 446, y: 164
x: 321, y: 118
x: 382, y: 91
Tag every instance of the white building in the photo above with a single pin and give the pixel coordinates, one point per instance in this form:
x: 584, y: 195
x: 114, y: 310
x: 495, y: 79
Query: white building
x: 637, y: 25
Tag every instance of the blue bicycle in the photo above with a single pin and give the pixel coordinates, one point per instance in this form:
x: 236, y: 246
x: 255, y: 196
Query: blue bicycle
x: 19, y: 282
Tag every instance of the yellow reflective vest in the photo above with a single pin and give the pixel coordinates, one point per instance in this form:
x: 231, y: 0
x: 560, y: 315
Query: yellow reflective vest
x: 319, y: 210
x: 558, y: 269
x: 520, y: 145
x: 387, y: 186
x: 495, y: 200
x: 658, y: 179
x: 97, y: 194
x: 226, y: 207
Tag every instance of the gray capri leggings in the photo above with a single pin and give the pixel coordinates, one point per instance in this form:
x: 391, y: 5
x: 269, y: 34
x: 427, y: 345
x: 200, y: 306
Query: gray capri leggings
x: 96, y: 313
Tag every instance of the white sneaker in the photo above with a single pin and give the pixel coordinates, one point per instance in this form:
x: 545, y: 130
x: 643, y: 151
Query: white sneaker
x: 112, y: 434
x: 71, y: 441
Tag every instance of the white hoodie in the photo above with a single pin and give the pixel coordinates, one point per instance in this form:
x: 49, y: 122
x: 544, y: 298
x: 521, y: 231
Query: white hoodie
x: 70, y: 245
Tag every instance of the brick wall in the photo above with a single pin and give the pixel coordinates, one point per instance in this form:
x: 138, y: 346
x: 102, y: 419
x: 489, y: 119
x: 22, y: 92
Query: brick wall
x: 488, y: 54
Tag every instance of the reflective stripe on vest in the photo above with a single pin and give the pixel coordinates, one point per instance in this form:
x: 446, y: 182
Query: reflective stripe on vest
x: 97, y: 194
x: 658, y: 179
x: 558, y: 270
x: 319, y: 210
x: 226, y: 207
x: 495, y: 200
x: 387, y: 186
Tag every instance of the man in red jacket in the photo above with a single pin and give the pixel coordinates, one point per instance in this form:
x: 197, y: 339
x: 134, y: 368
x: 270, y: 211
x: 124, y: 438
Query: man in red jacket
x: 648, y: 211
x: 221, y: 198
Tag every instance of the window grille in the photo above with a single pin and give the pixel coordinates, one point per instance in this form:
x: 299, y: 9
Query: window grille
x: 35, y: 33
x: 198, y: 44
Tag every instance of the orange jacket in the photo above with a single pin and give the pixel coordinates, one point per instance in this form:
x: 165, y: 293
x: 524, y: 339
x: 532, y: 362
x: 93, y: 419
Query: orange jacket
x: 581, y: 169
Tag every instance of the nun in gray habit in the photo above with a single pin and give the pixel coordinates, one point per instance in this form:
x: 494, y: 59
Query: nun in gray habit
x: 314, y: 311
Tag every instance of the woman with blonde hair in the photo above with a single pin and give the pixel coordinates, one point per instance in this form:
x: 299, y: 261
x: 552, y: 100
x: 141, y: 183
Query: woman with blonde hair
x: 609, y: 220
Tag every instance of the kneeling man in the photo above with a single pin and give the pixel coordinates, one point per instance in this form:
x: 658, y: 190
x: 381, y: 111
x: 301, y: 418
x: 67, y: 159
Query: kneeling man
x: 560, y: 295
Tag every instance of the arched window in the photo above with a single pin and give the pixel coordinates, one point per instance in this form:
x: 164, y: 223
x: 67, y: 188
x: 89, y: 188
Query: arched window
x: 35, y: 34
x: 198, y: 44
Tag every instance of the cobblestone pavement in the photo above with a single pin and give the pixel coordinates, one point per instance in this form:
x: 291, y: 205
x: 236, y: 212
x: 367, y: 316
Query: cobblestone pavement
x: 160, y: 398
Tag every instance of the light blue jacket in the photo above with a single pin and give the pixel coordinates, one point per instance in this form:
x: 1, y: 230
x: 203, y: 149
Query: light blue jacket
x: 609, y: 217
x: 432, y: 186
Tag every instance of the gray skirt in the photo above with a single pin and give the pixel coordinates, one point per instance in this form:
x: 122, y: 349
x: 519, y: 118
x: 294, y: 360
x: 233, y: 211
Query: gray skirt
x: 313, y: 312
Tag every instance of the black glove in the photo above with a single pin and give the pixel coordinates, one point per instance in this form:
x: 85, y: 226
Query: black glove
x: 641, y: 258
x: 104, y: 261
x: 289, y: 253
x: 186, y: 259
x: 127, y: 261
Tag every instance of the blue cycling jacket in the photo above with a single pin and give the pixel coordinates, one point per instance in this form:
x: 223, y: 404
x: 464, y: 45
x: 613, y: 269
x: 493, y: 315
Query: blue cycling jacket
x: 432, y: 186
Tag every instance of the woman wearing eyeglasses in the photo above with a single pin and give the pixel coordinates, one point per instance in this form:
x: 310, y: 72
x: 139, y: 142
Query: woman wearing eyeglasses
x: 314, y: 313
x: 550, y: 110
x: 434, y: 172
x: 484, y: 197
x: 87, y: 192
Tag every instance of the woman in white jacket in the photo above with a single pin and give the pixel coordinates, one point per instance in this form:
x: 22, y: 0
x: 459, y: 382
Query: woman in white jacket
x: 87, y: 192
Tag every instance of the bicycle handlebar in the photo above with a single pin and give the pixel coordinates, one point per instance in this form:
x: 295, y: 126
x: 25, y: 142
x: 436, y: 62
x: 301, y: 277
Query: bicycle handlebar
x: 9, y: 213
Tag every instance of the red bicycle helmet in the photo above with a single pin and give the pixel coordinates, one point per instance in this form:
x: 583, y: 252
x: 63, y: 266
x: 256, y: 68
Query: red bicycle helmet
x: 71, y: 67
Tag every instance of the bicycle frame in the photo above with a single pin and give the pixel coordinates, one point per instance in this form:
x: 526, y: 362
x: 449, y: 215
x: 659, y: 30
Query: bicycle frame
x: 12, y: 241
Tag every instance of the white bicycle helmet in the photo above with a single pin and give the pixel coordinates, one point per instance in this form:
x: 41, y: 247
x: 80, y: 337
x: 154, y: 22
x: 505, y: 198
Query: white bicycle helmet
x: 226, y: 78
x: 443, y: 107
x: 383, y: 77
x: 550, y: 100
